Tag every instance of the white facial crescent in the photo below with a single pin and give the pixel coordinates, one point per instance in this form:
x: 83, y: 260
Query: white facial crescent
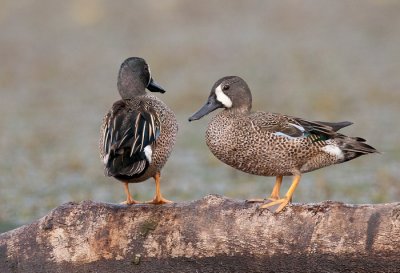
x: 222, y: 97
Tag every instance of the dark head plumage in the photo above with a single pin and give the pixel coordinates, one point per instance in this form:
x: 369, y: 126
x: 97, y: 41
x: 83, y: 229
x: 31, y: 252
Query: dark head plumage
x: 134, y: 77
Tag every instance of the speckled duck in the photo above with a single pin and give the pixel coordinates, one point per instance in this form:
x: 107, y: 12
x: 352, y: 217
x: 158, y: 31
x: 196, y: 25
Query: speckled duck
x: 139, y: 131
x: 271, y: 144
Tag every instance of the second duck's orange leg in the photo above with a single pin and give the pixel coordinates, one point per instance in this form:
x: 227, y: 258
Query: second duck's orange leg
x: 285, y: 200
x: 275, y: 191
x: 158, y: 198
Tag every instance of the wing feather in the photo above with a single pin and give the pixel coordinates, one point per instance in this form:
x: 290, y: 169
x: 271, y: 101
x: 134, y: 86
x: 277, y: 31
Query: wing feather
x: 126, y: 134
x: 293, y: 127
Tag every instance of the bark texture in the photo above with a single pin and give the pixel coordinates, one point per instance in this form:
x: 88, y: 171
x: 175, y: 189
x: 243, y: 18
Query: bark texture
x: 214, y: 234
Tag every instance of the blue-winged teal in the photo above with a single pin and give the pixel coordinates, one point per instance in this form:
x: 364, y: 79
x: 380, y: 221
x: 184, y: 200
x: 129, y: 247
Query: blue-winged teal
x: 272, y: 144
x: 139, y: 132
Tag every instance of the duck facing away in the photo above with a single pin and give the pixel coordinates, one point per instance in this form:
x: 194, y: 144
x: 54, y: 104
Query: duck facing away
x: 139, y: 131
x: 271, y: 144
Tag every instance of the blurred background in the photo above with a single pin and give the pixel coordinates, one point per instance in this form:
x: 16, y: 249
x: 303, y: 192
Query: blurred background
x: 320, y: 60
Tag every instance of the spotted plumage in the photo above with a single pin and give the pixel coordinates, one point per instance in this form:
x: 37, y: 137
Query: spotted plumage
x: 271, y: 144
x: 138, y: 133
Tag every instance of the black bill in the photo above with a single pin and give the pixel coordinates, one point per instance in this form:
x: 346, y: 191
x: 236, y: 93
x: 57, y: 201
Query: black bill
x: 155, y: 87
x: 210, y: 106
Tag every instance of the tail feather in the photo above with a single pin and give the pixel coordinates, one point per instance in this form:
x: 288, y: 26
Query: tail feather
x: 354, y: 147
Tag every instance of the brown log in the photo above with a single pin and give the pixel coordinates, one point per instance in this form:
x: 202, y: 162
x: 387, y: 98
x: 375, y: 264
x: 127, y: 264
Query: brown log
x: 214, y: 234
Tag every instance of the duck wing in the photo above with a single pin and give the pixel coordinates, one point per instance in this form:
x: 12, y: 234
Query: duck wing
x: 128, y: 136
x: 294, y: 127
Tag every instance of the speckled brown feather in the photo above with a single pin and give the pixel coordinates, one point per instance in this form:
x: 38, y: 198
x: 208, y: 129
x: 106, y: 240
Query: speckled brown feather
x: 247, y: 142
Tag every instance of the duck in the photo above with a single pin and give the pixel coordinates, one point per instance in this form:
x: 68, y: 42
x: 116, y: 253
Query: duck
x: 272, y: 144
x: 138, y: 133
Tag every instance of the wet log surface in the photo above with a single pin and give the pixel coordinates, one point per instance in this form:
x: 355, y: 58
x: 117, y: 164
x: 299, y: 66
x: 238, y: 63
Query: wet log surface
x: 214, y: 234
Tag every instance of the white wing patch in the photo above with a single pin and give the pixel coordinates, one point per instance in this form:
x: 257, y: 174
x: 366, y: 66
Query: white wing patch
x: 148, y: 153
x: 333, y: 151
x: 284, y: 135
x: 301, y: 128
x: 222, y: 97
x: 291, y: 137
x: 105, y: 159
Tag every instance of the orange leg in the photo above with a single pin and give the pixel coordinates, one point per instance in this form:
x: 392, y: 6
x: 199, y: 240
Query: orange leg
x: 129, y: 199
x: 275, y: 192
x: 285, y: 200
x: 158, y: 198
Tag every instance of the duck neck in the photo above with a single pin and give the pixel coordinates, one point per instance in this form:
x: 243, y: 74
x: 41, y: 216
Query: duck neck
x: 242, y: 104
x: 243, y: 110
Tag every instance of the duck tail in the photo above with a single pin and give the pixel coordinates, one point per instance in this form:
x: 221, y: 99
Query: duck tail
x: 354, y: 147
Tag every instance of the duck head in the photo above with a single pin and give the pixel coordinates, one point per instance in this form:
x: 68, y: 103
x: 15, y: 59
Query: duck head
x: 134, y: 77
x: 231, y: 93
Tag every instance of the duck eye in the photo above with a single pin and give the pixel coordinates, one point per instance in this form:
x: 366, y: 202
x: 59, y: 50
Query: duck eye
x: 225, y: 87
